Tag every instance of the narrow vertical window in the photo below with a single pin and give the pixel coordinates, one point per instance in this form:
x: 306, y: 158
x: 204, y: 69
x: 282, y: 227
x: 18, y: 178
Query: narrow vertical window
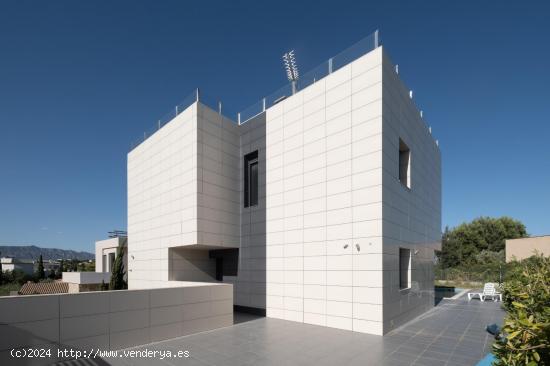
x: 404, y: 268
x: 404, y: 164
x: 104, y: 263
x: 251, y: 179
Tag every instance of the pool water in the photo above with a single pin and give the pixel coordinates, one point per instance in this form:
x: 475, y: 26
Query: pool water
x: 442, y: 292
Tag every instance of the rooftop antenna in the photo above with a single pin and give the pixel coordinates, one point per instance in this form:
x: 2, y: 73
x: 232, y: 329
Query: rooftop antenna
x: 118, y: 234
x: 291, y: 69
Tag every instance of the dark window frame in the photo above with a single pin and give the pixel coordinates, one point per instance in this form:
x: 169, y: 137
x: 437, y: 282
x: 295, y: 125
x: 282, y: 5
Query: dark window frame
x: 251, y: 173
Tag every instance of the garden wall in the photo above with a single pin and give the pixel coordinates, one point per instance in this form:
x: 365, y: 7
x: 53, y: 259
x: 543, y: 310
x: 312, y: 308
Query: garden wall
x: 111, y: 320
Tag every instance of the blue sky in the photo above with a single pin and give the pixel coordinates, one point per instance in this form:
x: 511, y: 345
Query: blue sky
x: 79, y: 81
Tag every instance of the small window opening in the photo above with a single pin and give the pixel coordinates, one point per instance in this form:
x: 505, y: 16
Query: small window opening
x: 404, y: 268
x: 404, y: 164
x: 251, y: 179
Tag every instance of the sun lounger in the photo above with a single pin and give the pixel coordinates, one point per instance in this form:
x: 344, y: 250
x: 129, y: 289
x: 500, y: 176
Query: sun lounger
x: 489, y: 291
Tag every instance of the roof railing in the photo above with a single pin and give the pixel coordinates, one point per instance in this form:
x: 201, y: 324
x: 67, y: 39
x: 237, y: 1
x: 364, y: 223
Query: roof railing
x: 195, y: 96
x: 326, y: 68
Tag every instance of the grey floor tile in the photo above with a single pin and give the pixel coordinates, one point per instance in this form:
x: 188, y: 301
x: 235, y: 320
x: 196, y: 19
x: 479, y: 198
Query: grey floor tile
x: 463, y: 359
x: 424, y: 361
x: 451, y: 334
x: 436, y: 355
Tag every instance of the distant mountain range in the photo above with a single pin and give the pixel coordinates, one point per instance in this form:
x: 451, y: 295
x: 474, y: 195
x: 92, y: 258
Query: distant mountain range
x: 33, y: 252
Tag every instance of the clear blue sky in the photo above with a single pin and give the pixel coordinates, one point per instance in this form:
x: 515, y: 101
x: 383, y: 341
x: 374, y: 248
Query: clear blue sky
x: 79, y: 81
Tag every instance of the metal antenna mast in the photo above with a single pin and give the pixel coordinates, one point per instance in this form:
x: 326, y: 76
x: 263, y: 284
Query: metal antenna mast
x: 291, y: 68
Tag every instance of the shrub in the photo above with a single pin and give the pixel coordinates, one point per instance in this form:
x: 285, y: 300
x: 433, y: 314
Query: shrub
x: 526, y: 329
x: 17, y: 276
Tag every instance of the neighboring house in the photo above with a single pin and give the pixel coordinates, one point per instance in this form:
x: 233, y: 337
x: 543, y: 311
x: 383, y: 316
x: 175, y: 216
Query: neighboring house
x: 10, y: 264
x: 43, y: 288
x: 526, y: 247
x: 105, y: 253
x: 323, y: 208
x: 85, y: 281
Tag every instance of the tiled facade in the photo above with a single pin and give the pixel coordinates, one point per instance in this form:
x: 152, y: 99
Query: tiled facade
x: 322, y: 244
x: 162, y: 199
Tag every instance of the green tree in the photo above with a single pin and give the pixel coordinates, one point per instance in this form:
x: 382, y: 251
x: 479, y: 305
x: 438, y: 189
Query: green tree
x: 117, y: 273
x: 17, y: 276
x: 73, y: 265
x: 40, y: 274
x: 59, y: 273
x: 51, y: 275
x: 526, y: 299
x: 462, y: 245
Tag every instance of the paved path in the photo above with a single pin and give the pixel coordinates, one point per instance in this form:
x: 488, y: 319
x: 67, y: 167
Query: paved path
x: 452, y: 334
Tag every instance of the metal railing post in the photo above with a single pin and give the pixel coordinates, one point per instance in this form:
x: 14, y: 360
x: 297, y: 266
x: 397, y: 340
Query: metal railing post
x: 158, y: 123
x: 197, y: 97
x: 219, y: 107
x: 376, y: 40
x: 239, y: 118
x: 263, y: 105
x: 330, y: 65
x: 176, y: 110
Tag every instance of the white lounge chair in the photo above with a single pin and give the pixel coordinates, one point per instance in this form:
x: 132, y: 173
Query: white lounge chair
x: 489, y: 290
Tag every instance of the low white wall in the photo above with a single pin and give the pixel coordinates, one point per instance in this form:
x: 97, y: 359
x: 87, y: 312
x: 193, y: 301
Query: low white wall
x: 86, y: 278
x: 111, y: 319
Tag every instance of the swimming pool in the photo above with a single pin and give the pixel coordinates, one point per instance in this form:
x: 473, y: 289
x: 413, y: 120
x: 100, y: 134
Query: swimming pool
x: 442, y: 292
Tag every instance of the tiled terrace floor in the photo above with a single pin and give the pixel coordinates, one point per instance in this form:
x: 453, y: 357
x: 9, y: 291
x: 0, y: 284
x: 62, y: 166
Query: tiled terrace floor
x: 452, y: 334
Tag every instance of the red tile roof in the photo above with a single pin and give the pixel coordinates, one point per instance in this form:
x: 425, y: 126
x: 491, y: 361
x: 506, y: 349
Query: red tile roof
x: 31, y: 288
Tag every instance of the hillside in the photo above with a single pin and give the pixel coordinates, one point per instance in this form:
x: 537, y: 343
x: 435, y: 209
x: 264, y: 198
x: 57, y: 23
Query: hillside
x: 33, y: 252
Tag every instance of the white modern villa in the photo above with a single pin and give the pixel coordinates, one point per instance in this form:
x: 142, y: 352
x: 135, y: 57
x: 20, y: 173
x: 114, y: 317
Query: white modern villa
x: 105, y: 254
x: 321, y: 204
x: 106, y: 251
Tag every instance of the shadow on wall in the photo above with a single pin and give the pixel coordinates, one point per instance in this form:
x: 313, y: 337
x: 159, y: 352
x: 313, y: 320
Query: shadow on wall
x: 191, y: 265
x: 250, y: 283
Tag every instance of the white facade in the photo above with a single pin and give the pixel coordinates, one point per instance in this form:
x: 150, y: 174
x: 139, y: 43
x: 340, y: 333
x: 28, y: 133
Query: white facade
x: 183, y: 198
x: 85, y: 281
x: 105, y: 254
x: 323, y: 243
